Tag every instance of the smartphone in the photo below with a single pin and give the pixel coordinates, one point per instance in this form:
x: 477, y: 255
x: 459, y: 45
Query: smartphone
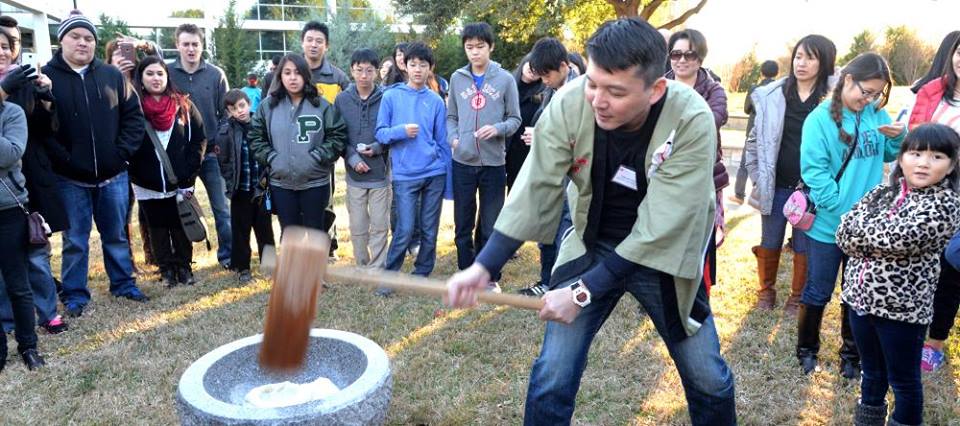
x: 362, y: 147
x: 127, y: 51
x: 903, y: 112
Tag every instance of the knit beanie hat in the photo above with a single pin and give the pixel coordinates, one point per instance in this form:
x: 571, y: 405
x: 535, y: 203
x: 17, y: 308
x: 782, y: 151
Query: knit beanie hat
x: 75, y: 20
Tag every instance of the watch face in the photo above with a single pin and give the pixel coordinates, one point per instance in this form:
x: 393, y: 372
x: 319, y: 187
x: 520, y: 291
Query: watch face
x: 582, y: 297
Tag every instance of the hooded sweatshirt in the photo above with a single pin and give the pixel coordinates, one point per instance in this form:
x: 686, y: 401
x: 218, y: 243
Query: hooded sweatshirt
x: 469, y: 108
x: 299, y: 143
x: 101, y: 124
x: 361, y: 118
x: 428, y: 154
x: 822, y: 153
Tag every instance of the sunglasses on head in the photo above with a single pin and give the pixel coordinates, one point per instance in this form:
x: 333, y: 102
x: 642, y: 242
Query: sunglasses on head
x: 688, y: 55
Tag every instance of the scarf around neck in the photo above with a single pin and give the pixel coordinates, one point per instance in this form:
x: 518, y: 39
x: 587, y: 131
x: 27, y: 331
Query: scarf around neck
x: 160, y: 112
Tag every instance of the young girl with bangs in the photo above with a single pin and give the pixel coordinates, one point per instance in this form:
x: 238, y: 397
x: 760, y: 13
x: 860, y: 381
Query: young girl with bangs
x: 894, y: 238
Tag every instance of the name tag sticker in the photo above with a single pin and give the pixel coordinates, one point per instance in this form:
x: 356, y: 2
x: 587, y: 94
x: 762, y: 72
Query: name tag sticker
x: 626, y: 177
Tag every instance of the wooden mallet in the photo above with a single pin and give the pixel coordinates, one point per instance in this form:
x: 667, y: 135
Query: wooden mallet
x: 298, y: 278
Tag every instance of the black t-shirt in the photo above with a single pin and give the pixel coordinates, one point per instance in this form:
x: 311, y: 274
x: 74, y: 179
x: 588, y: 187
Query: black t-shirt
x: 618, y: 213
x: 788, y: 160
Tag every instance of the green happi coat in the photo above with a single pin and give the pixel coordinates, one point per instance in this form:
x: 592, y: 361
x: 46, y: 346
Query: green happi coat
x: 674, y: 220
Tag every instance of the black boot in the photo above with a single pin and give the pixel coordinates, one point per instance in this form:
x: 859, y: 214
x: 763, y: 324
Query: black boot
x: 868, y: 415
x: 849, y: 355
x: 168, y: 274
x: 185, y: 275
x: 808, y: 336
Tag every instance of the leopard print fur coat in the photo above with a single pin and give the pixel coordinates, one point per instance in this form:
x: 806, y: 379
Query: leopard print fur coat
x: 894, y: 236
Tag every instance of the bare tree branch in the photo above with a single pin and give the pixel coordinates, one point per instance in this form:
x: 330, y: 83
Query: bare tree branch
x: 686, y: 15
x: 649, y: 9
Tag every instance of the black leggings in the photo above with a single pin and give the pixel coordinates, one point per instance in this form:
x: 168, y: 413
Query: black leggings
x: 946, y: 301
x: 302, y: 208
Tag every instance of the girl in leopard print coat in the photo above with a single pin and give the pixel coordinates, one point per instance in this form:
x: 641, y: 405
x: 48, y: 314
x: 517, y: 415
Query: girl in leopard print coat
x: 894, y: 237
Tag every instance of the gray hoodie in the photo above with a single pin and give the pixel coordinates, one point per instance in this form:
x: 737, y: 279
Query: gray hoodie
x: 467, y: 112
x: 299, y: 144
x: 13, y: 142
x: 361, y: 118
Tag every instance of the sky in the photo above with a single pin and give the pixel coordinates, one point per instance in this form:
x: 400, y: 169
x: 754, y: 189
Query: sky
x: 732, y: 27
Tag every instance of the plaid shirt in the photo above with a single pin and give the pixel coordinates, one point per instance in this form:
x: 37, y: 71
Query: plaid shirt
x: 249, y: 168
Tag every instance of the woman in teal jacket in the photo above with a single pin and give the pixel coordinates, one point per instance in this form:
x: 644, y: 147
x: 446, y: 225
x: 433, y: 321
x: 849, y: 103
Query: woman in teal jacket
x: 853, y: 117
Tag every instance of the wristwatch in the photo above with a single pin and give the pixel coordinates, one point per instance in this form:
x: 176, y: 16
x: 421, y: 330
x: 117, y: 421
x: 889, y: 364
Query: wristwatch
x: 581, y: 295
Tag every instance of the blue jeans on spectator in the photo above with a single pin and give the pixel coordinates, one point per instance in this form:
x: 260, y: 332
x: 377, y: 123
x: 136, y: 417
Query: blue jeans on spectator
x: 106, y: 205
x: 774, y: 225
x: 890, y: 354
x: 707, y: 381
x: 216, y: 193
x: 415, y: 238
x: 548, y: 252
x: 406, y: 194
x: 43, y: 287
x: 824, y: 262
x: 491, y: 183
x: 13, y: 269
x: 306, y: 207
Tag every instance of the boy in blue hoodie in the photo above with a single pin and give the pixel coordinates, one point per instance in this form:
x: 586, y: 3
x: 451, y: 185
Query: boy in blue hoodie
x: 411, y: 122
x: 483, y: 110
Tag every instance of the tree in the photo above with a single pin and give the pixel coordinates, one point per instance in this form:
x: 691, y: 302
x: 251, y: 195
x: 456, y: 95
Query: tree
x: 235, y: 48
x: 188, y: 13
x: 907, y: 55
x: 863, y: 42
x: 632, y: 8
x: 108, y: 30
x: 746, y: 73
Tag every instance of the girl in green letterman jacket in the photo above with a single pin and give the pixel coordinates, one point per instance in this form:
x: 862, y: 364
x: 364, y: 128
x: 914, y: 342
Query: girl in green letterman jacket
x: 299, y: 136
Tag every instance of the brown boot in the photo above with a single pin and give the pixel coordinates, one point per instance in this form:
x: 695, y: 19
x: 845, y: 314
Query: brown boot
x: 767, y: 263
x: 796, y: 287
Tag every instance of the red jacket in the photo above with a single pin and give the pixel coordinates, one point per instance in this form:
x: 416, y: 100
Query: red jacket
x: 928, y: 98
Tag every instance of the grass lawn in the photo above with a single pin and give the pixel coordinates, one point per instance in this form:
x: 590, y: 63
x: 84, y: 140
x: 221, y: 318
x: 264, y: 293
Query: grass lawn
x: 120, y: 363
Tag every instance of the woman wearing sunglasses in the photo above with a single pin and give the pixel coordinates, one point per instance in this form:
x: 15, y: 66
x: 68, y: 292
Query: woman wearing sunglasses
x: 773, y: 160
x: 687, y: 49
x: 853, y: 119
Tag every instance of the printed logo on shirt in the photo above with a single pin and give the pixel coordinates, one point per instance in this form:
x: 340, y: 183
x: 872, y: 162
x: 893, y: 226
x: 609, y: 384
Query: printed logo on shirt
x: 868, y: 144
x: 307, y: 125
x: 478, y: 102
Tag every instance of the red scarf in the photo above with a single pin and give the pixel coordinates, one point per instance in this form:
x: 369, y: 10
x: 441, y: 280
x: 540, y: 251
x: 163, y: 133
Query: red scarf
x: 160, y: 113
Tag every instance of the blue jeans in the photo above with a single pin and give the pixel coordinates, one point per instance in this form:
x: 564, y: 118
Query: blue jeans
x: 41, y: 283
x: 774, y: 225
x: 890, y: 357
x: 107, y: 205
x: 491, y: 183
x: 406, y: 194
x: 824, y: 262
x: 555, y: 379
x: 217, y: 194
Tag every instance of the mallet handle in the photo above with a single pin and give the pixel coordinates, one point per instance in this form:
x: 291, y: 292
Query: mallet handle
x: 419, y: 285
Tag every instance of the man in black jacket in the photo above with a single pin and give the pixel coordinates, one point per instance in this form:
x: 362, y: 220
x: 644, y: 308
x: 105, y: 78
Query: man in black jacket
x: 101, y: 126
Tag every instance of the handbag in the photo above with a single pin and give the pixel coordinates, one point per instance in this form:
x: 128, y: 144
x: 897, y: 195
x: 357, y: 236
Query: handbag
x: 188, y: 208
x: 37, y: 227
x: 800, y: 210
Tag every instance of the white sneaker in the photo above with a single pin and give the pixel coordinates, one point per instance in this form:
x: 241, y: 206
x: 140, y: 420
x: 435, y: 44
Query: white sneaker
x: 494, y: 287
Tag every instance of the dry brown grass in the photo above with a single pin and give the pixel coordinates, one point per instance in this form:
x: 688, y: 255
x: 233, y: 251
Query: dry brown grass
x: 120, y: 363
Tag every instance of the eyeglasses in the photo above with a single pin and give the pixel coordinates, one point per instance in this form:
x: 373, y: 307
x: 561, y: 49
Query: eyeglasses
x: 868, y: 95
x: 689, y: 55
x: 364, y: 71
